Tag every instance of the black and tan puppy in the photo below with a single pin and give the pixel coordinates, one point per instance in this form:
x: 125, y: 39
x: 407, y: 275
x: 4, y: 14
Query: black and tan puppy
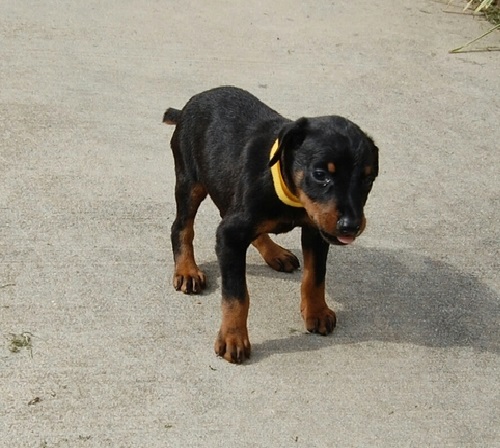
x: 266, y: 174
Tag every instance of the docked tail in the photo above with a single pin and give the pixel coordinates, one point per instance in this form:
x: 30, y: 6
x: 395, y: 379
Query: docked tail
x: 171, y: 116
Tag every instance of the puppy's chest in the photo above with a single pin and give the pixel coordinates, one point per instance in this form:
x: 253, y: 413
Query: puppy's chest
x: 283, y: 227
x: 277, y: 226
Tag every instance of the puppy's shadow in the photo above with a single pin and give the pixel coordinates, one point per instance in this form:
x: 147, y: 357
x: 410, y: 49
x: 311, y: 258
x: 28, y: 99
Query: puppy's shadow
x: 397, y: 297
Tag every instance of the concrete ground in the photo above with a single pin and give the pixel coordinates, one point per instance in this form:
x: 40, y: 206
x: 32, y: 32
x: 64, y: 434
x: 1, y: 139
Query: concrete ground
x: 109, y: 355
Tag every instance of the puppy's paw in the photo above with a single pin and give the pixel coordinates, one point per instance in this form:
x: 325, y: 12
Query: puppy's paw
x: 233, y: 345
x: 277, y: 257
x: 283, y: 261
x: 191, y: 281
x: 321, y: 321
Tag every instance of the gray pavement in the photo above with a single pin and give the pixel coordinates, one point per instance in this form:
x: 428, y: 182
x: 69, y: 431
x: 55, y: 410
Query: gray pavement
x: 114, y: 357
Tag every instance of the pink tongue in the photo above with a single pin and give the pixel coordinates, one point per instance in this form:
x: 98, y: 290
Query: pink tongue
x: 346, y: 239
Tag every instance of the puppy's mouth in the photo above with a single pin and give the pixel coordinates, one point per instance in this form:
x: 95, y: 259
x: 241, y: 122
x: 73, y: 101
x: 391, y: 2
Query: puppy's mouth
x: 337, y: 240
x: 345, y: 240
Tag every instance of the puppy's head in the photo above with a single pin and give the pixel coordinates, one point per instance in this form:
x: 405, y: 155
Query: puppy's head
x: 330, y: 164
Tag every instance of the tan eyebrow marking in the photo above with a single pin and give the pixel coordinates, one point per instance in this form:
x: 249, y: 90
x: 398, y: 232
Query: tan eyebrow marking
x: 368, y: 170
x: 331, y: 167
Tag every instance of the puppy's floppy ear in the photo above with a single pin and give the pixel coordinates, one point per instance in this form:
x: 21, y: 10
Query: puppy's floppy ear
x: 290, y: 137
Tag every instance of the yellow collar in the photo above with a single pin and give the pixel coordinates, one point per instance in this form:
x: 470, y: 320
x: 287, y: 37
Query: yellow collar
x: 284, y: 194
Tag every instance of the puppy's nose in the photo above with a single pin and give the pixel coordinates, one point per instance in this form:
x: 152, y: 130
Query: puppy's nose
x: 348, y: 226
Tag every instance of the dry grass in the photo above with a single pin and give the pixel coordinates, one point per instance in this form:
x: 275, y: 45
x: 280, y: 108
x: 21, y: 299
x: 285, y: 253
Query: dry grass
x: 18, y: 341
x: 490, y: 9
x: 486, y: 8
x: 493, y: 14
x: 464, y: 49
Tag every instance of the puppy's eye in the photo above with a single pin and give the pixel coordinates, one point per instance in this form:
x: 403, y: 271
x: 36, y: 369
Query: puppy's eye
x: 321, y: 176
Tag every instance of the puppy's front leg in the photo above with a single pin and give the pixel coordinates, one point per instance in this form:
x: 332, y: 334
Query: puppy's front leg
x: 232, y: 341
x: 318, y: 318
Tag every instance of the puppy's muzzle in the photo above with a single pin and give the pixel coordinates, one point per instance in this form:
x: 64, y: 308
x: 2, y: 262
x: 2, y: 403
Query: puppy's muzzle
x: 347, y: 229
x: 348, y: 226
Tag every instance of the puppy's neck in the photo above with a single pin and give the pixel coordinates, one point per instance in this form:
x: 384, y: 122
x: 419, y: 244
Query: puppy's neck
x: 283, y: 192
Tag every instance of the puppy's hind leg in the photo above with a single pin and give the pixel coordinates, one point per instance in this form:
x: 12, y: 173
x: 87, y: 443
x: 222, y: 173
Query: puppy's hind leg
x: 188, y: 196
x: 277, y: 257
